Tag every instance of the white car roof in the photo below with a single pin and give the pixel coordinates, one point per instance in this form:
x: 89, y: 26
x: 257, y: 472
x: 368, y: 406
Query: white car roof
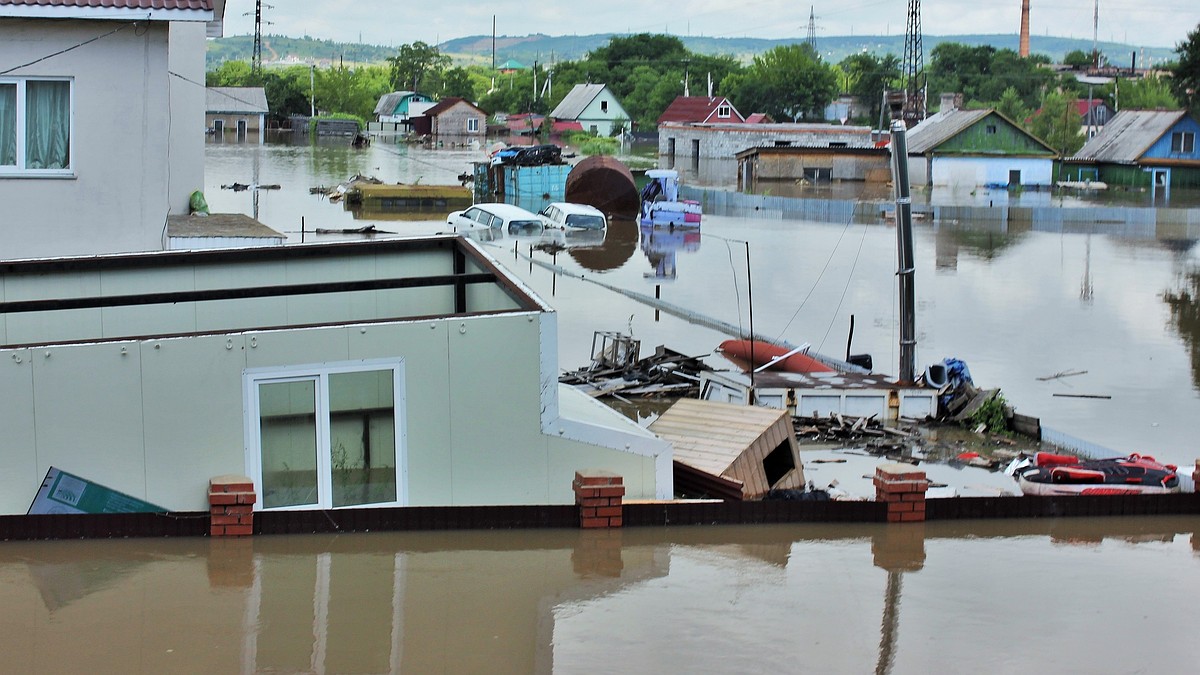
x: 568, y: 207
x: 506, y: 211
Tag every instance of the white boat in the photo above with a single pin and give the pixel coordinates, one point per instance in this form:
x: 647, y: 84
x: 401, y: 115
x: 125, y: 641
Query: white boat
x: 661, y: 205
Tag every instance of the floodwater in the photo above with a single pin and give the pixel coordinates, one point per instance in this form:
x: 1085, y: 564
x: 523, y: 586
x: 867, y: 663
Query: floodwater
x: 1114, y: 303
x: 1073, y: 595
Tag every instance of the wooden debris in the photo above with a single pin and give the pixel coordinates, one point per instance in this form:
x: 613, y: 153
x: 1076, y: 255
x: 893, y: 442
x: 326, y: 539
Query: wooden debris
x: 623, y: 373
x: 1100, y: 396
x: 1060, y: 375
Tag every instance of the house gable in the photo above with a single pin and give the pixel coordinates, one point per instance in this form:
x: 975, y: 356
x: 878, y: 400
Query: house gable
x: 994, y: 135
x: 1180, y: 143
x: 701, y: 109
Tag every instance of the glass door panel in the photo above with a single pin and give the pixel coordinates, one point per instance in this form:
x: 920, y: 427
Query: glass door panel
x: 362, y: 437
x: 287, y: 414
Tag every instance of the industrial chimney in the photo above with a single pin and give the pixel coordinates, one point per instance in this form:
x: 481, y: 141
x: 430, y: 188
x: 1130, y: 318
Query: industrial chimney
x: 1024, y: 49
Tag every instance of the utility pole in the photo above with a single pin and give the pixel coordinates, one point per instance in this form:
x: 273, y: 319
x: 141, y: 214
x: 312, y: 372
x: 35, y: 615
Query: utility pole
x: 812, y: 29
x: 256, y: 58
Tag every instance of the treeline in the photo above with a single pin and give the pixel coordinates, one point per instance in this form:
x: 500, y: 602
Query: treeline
x: 789, y: 82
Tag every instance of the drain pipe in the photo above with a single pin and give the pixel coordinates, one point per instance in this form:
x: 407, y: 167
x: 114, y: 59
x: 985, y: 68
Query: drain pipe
x: 904, y: 247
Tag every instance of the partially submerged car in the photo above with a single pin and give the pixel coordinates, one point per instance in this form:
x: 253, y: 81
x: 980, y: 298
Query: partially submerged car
x: 568, y: 216
x: 503, y: 217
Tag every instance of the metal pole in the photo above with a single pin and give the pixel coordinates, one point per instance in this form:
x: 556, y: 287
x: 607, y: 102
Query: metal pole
x: 312, y: 90
x: 904, y: 247
x: 750, y: 303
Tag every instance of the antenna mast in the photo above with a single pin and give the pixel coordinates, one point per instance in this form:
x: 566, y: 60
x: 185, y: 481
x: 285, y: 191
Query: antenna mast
x: 812, y: 29
x: 914, y: 66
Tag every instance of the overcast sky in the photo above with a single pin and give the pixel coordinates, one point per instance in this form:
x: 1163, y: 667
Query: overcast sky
x: 1150, y: 23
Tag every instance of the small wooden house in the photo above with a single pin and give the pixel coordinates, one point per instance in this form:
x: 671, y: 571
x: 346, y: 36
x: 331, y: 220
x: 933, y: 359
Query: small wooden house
x: 1142, y: 148
x: 731, y: 451
x: 452, y: 116
x: 977, y: 148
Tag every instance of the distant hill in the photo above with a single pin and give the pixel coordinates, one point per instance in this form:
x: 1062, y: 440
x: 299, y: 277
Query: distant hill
x: 545, y: 48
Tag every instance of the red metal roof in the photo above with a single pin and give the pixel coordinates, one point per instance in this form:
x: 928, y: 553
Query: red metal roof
x: 205, y: 5
x: 699, y: 109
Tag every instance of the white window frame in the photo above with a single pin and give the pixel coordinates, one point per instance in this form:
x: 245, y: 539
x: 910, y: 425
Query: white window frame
x: 472, y: 125
x: 724, y: 111
x: 19, y: 171
x: 1187, y: 142
x: 319, y: 373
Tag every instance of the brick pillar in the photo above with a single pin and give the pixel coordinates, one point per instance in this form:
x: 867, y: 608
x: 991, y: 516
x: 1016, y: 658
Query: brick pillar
x: 598, y: 495
x: 231, y: 506
x: 1196, y: 478
x: 903, y: 488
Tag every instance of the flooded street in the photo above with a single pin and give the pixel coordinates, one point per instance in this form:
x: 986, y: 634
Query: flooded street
x: 1029, y: 596
x: 1018, y: 305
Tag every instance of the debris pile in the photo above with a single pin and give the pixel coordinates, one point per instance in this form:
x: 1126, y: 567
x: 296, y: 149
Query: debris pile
x: 618, y: 370
x: 877, y: 438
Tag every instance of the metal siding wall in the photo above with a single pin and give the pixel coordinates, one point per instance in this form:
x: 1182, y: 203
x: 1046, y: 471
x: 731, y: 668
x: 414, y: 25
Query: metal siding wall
x: 88, y: 413
x: 192, y: 413
x: 426, y: 353
x: 19, y: 477
x: 294, y: 347
x: 499, y: 452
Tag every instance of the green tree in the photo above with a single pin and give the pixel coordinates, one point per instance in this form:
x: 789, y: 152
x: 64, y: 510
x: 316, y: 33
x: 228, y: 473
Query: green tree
x: 414, y: 64
x: 867, y: 76
x: 1059, y: 123
x: 983, y: 73
x: 789, y: 82
x: 1147, y: 93
x: 1011, y: 106
x: 350, y: 91
x: 229, y: 74
x: 1185, y: 80
x: 457, y: 82
x: 1077, y: 59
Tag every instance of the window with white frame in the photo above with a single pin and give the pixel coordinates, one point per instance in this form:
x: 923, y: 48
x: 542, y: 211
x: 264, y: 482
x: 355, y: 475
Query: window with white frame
x: 723, y: 111
x: 1183, y: 142
x: 35, y: 126
x: 327, y: 436
x: 472, y: 125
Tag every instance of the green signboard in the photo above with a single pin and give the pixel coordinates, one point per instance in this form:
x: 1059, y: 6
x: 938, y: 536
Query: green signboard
x: 62, y: 492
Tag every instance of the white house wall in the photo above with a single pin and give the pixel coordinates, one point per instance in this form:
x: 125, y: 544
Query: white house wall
x: 124, y: 185
x: 978, y: 171
x: 156, y: 418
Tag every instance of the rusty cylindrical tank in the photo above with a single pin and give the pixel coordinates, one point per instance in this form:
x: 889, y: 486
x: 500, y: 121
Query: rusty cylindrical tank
x: 605, y: 183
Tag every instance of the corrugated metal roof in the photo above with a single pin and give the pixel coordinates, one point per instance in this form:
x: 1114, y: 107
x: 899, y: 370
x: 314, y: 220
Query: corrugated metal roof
x: 574, y: 103
x: 939, y: 128
x: 388, y: 102
x: 205, y: 5
x: 1128, y: 135
x: 235, y: 100
x: 698, y: 109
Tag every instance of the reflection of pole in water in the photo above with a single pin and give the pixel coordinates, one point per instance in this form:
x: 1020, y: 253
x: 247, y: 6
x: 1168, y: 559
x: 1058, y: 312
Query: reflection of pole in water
x: 254, y: 181
x: 1085, y: 289
x: 888, y: 631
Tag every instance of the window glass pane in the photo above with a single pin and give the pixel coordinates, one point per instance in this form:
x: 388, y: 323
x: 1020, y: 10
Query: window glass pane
x: 47, y: 124
x: 362, y: 442
x: 8, y: 124
x: 288, y: 436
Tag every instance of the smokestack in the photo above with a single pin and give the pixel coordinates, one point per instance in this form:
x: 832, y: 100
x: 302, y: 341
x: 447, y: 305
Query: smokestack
x: 1024, y: 49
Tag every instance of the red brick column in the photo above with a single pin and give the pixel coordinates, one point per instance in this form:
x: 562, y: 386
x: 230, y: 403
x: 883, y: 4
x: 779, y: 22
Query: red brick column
x: 231, y: 506
x: 903, y: 488
x: 598, y: 495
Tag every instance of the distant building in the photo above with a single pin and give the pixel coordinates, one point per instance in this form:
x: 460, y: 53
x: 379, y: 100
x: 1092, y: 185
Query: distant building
x: 452, y: 116
x: 693, y: 142
x: 594, y: 107
x: 401, y: 106
x: 977, y: 148
x: 701, y: 110
x: 1142, y: 148
x: 511, y: 66
x: 241, y: 110
x: 845, y: 108
x: 1095, y: 113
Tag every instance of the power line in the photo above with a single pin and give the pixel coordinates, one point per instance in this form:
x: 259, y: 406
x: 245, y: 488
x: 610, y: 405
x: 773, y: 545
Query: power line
x: 72, y: 47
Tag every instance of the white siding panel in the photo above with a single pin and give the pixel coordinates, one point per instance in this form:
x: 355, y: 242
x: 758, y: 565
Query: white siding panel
x: 89, y: 414
x: 192, y: 390
x: 19, y: 477
x: 291, y: 348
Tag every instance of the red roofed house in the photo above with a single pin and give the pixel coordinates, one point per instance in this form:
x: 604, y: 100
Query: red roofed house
x: 701, y: 110
x: 101, y: 122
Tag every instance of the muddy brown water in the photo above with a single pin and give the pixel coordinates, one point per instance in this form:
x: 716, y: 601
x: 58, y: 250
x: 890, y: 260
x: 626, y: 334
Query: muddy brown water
x: 1111, y: 595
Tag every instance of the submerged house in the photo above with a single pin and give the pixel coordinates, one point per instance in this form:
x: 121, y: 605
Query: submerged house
x: 389, y: 373
x: 1142, y: 148
x: 701, y: 110
x: 100, y: 144
x: 977, y: 148
x: 241, y: 110
x: 452, y: 116
x: 594, y: 107
x: 401, y: 106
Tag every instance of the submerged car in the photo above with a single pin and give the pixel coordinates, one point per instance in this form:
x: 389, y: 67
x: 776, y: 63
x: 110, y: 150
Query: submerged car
x: 568, y: 216
x: 503, y: 217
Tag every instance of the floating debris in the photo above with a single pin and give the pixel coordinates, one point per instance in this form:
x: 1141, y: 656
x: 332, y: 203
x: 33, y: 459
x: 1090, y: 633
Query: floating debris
x: 617, y: 369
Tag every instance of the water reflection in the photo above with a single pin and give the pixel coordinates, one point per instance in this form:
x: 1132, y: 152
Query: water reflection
x: 1184, y: 303
x: 723, y: 599
x: 662, y: 244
